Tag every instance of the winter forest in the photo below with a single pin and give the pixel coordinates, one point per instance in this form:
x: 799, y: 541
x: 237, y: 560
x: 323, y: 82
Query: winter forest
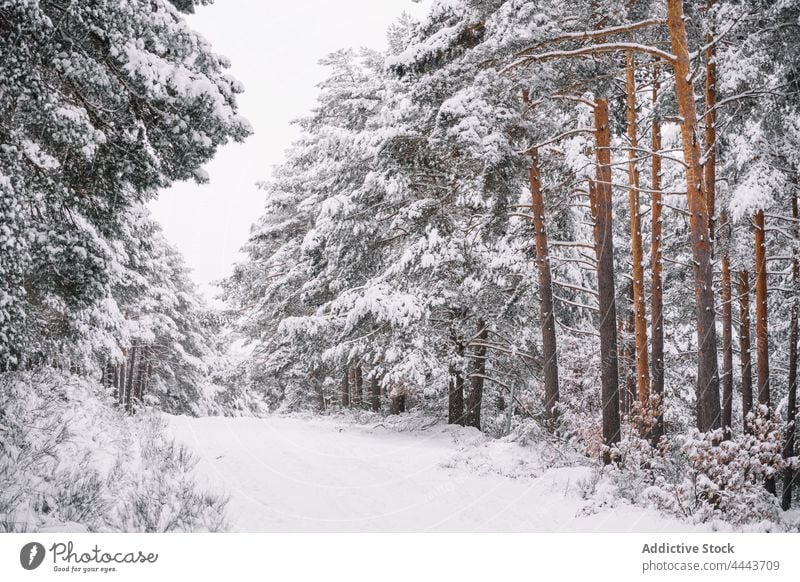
x: 536, y: 253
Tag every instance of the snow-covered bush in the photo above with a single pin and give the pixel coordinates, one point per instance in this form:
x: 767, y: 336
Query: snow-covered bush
x: 70, y: 460
x: 699, y: 476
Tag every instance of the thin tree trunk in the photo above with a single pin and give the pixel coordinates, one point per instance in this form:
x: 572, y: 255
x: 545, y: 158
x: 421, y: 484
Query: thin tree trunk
x: 627, y: 337
x: 789, y: 475
x: 710, y: 121
x: 762, y: 333
x: 455, y: 412
x: 547, y: 320
x: 129, y: 382
x: 657, y: 297
x: 631, y: 382
x: 472, y: 414
x: 358, y: 381
x: 710, y: 176
x: 708, y: 405
x: 144, y: 361
x: 148, y: 373
x: 346, y: 388
x: 604, y: 247
x: 455, y: 400
x: 123, y: 377
x: 744, y: 348
x: 762, y: 337
x: 375, y: 393
x: 637, y: 254
x: 727, y: 345
x: 114, y: 374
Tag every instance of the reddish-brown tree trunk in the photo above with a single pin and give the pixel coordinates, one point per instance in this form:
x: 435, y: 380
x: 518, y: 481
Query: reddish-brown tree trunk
x: 637, y: 253
x: 657, y: 293
x: 744, y: 348
x: 708, y: 406
x: 547, y: 320
x: 710, y: 175
x: 604, y: 248
x: 762, y: 330
x: 710, y: 120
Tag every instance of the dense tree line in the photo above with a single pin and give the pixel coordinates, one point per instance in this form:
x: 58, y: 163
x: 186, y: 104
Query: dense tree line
x: 560, y: 211
x: 102, y: 104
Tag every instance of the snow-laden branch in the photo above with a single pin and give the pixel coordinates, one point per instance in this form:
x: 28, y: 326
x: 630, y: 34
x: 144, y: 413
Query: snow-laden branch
x: 591, y: 51
x: 595, y: 34
x: 559, y: 137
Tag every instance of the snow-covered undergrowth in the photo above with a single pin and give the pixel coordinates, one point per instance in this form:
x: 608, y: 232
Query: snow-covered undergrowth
x: 71, y: 461
x: 700, y: 478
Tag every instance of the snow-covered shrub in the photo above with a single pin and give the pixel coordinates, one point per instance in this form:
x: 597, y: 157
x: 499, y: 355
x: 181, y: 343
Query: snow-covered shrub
x: 701, y: 477
x: 70, y: 460
x: 163, y: 496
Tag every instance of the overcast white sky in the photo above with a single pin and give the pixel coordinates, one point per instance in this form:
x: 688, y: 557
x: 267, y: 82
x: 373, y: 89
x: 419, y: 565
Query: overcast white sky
x: 274, y: 47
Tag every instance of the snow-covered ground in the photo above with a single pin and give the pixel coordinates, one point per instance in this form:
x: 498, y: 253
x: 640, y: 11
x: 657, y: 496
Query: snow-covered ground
x: 322, y: 475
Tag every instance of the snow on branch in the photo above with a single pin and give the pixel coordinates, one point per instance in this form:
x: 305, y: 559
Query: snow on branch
x: 591, y: 51
x: 595, y: 34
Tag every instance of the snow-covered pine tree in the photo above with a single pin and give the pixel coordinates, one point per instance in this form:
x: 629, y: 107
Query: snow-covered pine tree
x: 102, y: 104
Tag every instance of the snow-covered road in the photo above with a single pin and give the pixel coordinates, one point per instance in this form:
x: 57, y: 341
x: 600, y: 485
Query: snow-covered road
x: 292, y: 474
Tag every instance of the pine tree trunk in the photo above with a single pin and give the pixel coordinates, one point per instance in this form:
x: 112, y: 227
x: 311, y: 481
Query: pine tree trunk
x: 148, y: 373
x: 375, y: 393
x: 547, y: 320
x: 626, y: 331
x: 455, y: 399
x: 455, y: 410
x: 624, y: 355
x: 710, y: 176
x: 604, y: 248
x: 143, y: 360
x: 472, y: 414
x: 708, y: 405
x: 398, y: 404
x: 346, y: 388
x: 358, y: 378
x: 129, y: 383
x: 629, y: 359
x: 637, y: 254
x: 123, y: 377
x: 657, y: 295
x: 762, y: 332
x: 710, y: 121
x: 744, y: 348
x: 789, y: 475
x: 762, y: 336
x: 727, y: 346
